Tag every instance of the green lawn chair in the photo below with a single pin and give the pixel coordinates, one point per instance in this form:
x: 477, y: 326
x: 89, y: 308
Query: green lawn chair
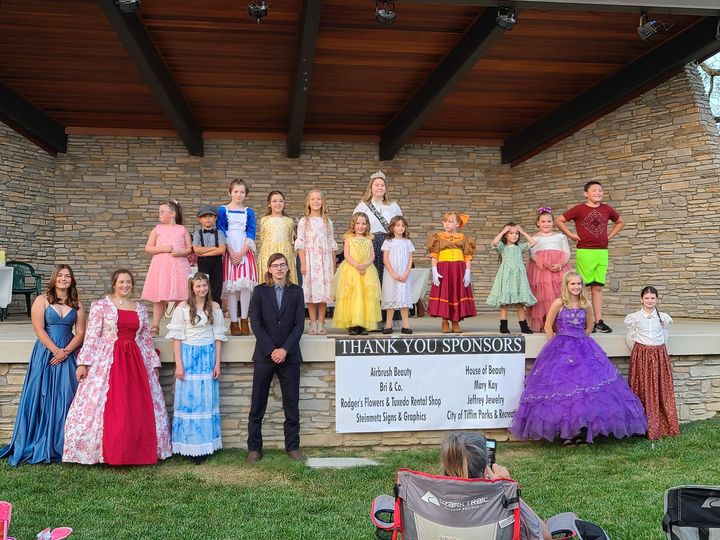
x: 22, y: 272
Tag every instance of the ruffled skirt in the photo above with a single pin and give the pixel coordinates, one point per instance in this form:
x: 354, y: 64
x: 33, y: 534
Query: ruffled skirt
x: 357, y: 297
x: 573, y: 386
x: 545, y: 285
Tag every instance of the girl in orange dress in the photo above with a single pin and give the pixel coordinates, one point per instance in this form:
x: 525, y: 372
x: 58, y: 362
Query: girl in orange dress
x: 451, y: 295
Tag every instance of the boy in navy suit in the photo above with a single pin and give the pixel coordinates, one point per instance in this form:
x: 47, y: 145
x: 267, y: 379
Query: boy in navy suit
x: 277, y: 317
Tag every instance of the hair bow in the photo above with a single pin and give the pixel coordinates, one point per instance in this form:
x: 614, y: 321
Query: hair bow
x: 544, y: 210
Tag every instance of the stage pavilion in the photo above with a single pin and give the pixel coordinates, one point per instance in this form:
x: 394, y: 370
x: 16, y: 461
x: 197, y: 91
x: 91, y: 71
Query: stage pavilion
x: 493, y: 108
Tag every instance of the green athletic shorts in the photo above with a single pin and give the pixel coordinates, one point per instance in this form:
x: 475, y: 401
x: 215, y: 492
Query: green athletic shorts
x: 592, y: 265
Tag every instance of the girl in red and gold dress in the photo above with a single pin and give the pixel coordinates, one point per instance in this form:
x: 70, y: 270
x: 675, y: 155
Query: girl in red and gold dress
x: 451, y: 295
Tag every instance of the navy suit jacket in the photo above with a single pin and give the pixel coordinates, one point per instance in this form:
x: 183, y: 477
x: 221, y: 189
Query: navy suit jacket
x: 277, y: 327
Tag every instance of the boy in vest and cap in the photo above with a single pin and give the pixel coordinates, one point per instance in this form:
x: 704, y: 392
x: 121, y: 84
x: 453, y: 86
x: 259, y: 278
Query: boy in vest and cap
x: 209, y: 246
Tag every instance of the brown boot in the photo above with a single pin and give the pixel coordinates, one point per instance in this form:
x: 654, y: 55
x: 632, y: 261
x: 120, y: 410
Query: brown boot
x: 456, y: 328
x: 244, y: 327
x: 235, y: 329
x: 445, y: 328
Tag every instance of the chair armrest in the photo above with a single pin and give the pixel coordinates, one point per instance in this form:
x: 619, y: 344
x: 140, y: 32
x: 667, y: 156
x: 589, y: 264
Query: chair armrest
x: 383, y: 504
x: 38, y: 282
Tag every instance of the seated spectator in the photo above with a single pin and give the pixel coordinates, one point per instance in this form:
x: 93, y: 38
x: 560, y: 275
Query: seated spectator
x: 464, y: 455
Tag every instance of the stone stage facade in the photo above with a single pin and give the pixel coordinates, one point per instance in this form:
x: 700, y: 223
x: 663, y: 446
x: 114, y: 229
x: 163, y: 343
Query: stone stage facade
x: 693, y: 350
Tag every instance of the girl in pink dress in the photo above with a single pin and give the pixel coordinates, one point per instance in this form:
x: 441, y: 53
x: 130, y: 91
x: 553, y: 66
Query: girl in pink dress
x: 169, y: 244
x: 316, y: 247
x: 118, y: 415
x: 548, y: 262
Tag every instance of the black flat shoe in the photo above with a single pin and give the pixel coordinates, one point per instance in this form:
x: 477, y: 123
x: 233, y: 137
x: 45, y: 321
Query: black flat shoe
x: 387, y: 330
x: 406, y: 330
x: 352, y: 331
x: 362, y: 331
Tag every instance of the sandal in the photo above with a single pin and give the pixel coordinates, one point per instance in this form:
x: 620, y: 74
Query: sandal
x: 155, y: 331
x: 312, y: 330
x: 569, y: 442
x: 321, y: 329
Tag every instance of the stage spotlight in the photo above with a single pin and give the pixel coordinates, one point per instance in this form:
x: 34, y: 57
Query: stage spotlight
x: 506, y: 18
x: 385, y: 12
x: 128, y: 6
x: 646, y: 29
x: 258, y: 9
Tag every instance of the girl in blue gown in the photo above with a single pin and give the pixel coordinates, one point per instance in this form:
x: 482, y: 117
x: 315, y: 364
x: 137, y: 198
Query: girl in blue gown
x: 50, y: 382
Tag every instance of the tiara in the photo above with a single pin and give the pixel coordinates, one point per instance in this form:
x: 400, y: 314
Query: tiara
x: 378, y: 174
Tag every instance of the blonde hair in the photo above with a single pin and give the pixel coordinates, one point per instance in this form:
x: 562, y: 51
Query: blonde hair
x: 565, y: 291
x: 464, y: 455
x: 323, y: 209
x: 353, y: 221
x: 367, y: 196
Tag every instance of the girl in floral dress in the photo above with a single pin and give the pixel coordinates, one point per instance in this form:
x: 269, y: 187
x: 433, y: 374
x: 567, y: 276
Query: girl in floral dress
x: 316, y: 247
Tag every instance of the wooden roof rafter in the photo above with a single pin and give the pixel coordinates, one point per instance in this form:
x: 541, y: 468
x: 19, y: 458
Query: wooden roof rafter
x: 309, y: 25
x: 143, y: 52
x: 696, y: 43
x: 473, y: 44
x: 678, y: 7
x: 31, y: 122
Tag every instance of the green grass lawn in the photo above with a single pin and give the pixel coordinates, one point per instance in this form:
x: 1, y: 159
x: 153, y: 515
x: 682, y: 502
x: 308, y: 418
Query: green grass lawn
x: 618, y: 484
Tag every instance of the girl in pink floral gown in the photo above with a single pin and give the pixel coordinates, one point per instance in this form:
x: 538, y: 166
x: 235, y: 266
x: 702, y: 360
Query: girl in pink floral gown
x: 118, y: 415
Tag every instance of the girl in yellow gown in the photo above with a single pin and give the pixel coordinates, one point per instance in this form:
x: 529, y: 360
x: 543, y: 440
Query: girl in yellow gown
x: 356, y: 286
x: 276, y: 235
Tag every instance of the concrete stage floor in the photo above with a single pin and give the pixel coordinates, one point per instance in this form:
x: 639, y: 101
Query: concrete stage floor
x: 688, y: 337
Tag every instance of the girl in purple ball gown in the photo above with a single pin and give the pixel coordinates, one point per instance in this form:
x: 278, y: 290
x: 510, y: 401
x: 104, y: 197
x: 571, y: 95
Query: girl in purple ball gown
x: 573, y: 391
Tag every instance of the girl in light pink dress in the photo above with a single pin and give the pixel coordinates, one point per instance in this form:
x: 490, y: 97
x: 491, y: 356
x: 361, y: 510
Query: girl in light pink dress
x: 316, y: 247
x: 548, y: 262
x: 169, y: 243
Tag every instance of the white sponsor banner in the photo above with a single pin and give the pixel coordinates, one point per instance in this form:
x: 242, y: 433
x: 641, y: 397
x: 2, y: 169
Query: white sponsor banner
x: 401, y: 384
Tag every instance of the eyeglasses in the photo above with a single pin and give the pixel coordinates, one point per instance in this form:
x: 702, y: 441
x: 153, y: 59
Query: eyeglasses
x: 279, y: 266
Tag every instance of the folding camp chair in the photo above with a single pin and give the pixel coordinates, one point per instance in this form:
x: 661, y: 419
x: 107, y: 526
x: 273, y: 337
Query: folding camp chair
x: 429, y: 506
x: 692, y: 513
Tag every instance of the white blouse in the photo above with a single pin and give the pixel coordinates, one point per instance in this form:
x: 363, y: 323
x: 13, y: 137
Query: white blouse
x: 199, y: 334
x: 556, y: 242
x: 645, y: 328
x: 388, y: 211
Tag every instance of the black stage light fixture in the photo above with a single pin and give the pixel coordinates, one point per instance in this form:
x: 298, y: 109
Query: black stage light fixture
x: 505, y: 18
x: 385, y: 12
x: 646, y: 28
x: 258, y: 9
x: 128, y: 6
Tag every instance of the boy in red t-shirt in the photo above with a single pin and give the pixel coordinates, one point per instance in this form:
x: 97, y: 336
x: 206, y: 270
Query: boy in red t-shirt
x: 591, y: 255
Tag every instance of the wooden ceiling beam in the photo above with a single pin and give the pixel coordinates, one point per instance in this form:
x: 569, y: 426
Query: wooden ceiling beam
x: 30, y: 122
x: 309, y: 25
x: 696, y: 43
x: 474, y: 43
x: 143, y: 52
x: 678, y: 7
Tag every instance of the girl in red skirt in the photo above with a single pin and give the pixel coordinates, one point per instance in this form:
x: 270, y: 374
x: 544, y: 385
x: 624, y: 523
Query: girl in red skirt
x: 650, y: 374
x: 451, y: 295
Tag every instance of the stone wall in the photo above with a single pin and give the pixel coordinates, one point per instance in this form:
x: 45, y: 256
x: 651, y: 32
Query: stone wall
x: 27, y: 177
x: 697, y: 387
x: 657, y: 157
